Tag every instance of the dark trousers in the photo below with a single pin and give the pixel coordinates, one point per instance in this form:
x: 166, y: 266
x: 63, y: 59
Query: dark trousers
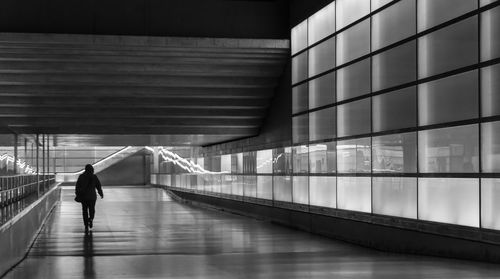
x: 88, y: 211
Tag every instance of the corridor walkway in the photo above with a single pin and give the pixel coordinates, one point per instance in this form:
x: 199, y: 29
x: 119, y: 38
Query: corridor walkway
x: 142, y: 233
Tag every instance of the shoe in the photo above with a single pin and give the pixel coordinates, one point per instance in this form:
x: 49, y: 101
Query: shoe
x: 90, y: 224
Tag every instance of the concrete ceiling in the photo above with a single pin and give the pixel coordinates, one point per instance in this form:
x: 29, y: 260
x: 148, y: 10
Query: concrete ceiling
x: 169, y: 90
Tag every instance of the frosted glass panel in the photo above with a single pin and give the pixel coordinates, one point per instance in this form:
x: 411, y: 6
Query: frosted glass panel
x: 322, y: 124
x: 393, y: 24
x: 237, y: 163
x: 300, y: 156
x: 379, y: 3
x: 299, y: 67
x: 449, y: 48
x: 300, y: 128
x: 265, y: 187
x: 322, y: 57
x: 348, y: 11
x: 300, y: 98
x: 490, y: 86
x: 323, y: 191
x: 395, y: 153
x: 265, y: 161
x: 354, y: 118
x: 322, y: 157
x: 321, y: 91
x: 434, y: 12
x: 299, y: 37
x: 486, y: 2
x: 237, y: 186
x: 490, y: 146
x: 395, y: 110
x: 446, y: 150
x: 490, y: 34
x: 250, y: 186
x: 282, y: 188
x: 226, y: 184
x: 395, y: 66
x: 449, y: 99
x: 282, y: 160
x: 449, y: 200
x: 354, y: 156
x: 395, y: 196
x: 226, y: 163
x: 490, y: 207
x: 301, y: 189
x: 322, y: 24
x: 353, y: 80
x: 354, y: 193
x: 353, y: 42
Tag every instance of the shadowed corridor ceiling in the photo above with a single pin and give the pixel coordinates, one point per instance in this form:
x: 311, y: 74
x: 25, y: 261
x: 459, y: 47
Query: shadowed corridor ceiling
x: 114, y: 90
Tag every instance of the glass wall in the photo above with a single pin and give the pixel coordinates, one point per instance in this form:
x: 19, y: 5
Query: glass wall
x: 396, y: 112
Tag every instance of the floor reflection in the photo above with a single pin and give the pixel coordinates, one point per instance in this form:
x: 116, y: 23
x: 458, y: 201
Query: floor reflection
x: 88, y: 254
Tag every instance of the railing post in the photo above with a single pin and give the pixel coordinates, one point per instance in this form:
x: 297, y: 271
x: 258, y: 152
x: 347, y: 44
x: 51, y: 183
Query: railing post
x: 37, y: 168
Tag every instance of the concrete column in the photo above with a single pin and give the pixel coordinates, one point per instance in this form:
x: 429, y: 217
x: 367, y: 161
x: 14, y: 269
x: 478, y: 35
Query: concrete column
x: 15, y: 153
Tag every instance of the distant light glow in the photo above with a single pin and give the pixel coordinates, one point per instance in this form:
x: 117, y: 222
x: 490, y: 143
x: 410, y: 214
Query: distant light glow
x: 183, y: 163
x: 22, y: 165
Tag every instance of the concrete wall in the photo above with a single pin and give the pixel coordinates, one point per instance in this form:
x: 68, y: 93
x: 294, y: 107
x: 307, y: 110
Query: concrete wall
x: 17, y: 235
x: 133, y: 170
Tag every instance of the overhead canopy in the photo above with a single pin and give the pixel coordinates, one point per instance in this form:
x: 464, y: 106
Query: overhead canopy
x: 187, y: 90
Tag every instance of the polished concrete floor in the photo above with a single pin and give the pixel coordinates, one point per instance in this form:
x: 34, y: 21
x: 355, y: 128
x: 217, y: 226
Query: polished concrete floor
x: 142, y: 233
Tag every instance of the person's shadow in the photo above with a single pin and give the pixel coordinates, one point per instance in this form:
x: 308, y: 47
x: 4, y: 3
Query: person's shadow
x: 88, y: 256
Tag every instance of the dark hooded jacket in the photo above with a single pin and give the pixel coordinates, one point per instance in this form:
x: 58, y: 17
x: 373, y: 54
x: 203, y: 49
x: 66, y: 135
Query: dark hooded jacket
x: 86, y: 186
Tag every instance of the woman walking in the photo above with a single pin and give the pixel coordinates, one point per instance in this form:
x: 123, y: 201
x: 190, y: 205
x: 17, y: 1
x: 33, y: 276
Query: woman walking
x: 86, y: 186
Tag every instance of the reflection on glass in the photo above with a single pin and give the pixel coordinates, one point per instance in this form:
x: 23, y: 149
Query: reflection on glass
x: 237, y: 185
x: 432, y: 12
x: 353, y: 42
x: 265, y: 161
x: 490, y: 34
x: 395, y: 66
x: 486, y: 2
x: 395, y: 110
x: 450, y: 99
x: 395, y: 196
x: 449, y: 200
x: 322, y: 57
x: 282, y: 188
x: 300, y: 190
x: 237, y: 163
x: 299, y: 37
x: 322, y: 24
x: 322, y: 124
x: 490, y: 86
x: 354, y: 193
x: 299, y: 68
x: 250, y: 186
x: 300, y: 128
x: 449, y: 48
x: 353, y: 118
x: 323, y: 191
x: 490, y: 147
x: 354, y: 156
x: 490, y: 195
x: 395, y: 153
x: 348, y: 11
x: 265, y: 187
x: 225, y: 164
x: 393, y: 24
x: 282, y: 160
x: 322, y: 157
x: 453, y: 149
x: 249, y: 162
x: 321, y: 91
x: 226, y: 184
x: 299, y: 98
x: 353, y: 80
x: 300, y: 156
